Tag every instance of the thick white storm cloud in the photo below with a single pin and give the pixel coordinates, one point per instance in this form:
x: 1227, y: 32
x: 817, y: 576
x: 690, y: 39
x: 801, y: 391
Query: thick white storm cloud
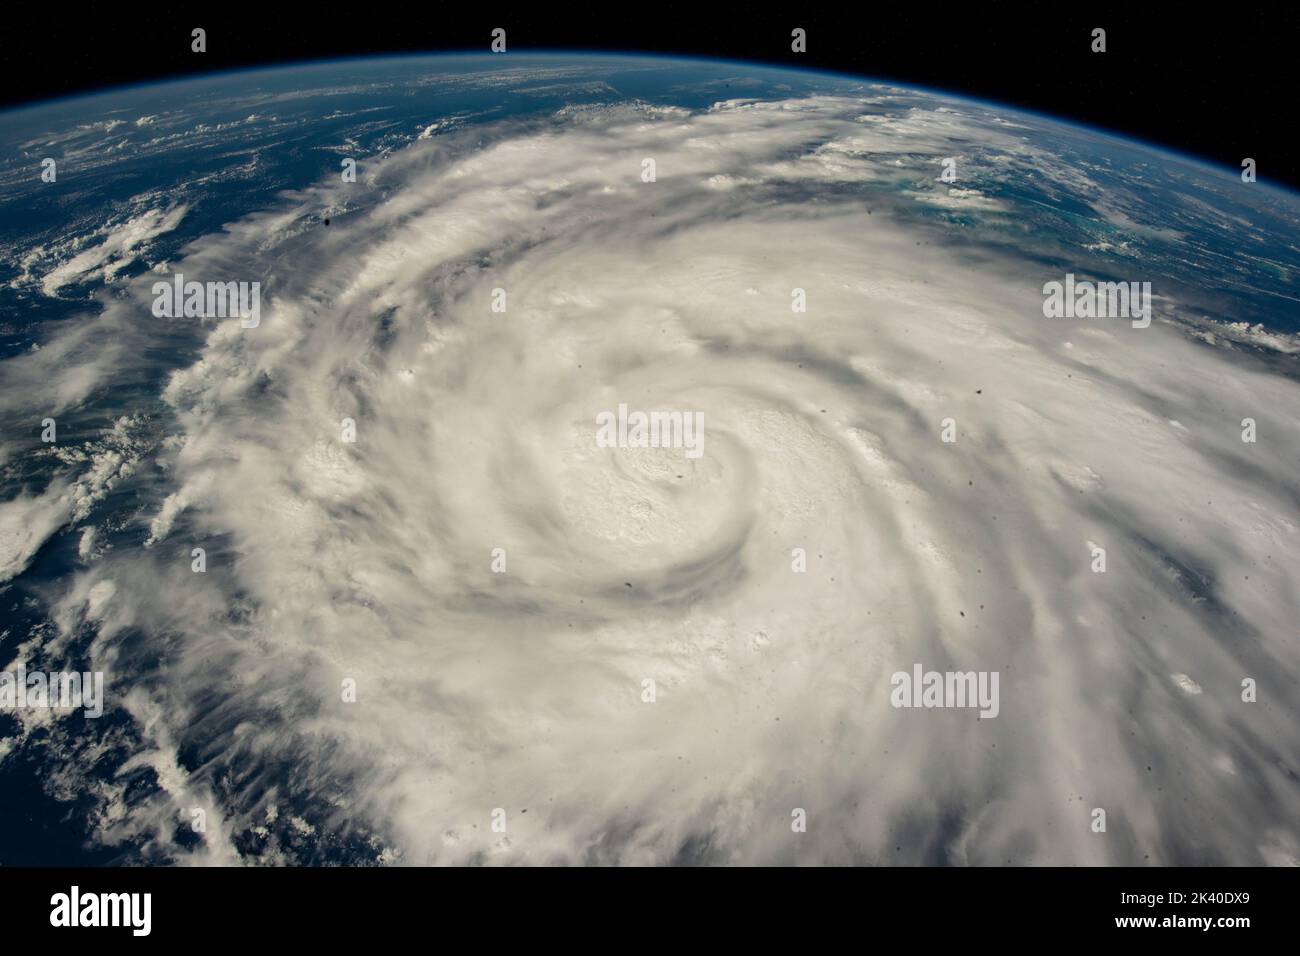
x: 523, y: 689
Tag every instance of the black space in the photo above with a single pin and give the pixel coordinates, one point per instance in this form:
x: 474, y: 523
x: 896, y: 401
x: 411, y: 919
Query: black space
x: 1215, y: 82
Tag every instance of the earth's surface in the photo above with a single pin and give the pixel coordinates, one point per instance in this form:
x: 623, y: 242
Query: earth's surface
x: 438, y: 622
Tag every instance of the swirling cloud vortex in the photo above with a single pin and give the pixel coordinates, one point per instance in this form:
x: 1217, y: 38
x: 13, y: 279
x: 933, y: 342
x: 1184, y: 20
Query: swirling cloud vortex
x: 499, y: 590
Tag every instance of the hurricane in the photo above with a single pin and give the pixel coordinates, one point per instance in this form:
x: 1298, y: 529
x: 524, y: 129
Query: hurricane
x: 599, y: 485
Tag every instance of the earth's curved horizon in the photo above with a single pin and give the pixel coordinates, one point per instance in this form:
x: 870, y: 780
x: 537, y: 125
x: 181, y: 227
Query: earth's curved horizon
x: 376, y: 566
x: 81, y: 97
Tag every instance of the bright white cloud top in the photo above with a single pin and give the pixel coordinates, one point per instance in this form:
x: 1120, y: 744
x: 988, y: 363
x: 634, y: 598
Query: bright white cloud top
x: 524, y: 688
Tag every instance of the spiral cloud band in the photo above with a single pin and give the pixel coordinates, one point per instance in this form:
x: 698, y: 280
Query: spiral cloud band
x: 441, y: 621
